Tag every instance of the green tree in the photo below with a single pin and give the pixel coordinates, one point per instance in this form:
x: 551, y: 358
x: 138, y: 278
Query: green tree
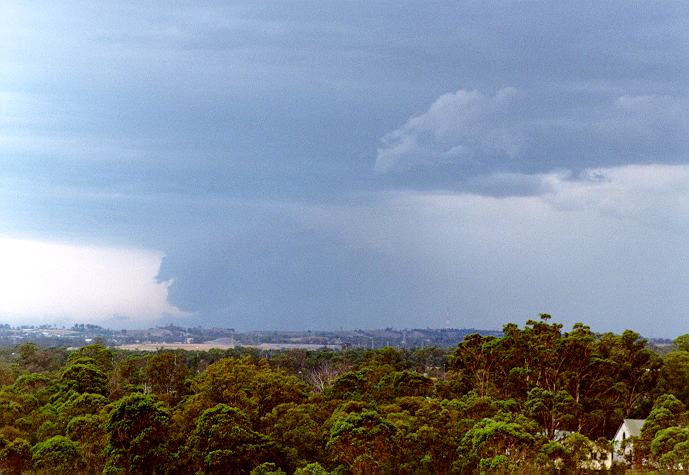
x: 127, y: 376
x: 636, y: 370
x: 553, y: 456
x: 137, y: 434
x: 668, y: 411
x: 166, y: 376
x: 552, y: 411
x: 253, y: 387
x: 224, y: 441
x: 89, y: 431
x: 57, y: 455
x: 624, y: 385
x: 297, y: 430
x: 682, y: 342
x: 581, y: 370
x: 363, y: 441
x: 474, y: 365
x: 349, y: 385
x: 267, y: 468
x: 431, y: 360
x: 311, y: 469
x: 84, y: 377
x: 96, y: 354
x: 7, y: 374
x: 675, y: 370
x: 507, y: 442
x: 403, y: 383
x: 15, y: 455
x: 581, y: 450
x: 670, y: 448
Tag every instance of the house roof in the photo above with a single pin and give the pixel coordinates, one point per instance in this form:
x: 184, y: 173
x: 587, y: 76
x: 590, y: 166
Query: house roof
x: 634, y: 426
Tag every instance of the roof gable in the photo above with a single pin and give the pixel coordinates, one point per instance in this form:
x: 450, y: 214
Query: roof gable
x: 632, y: 427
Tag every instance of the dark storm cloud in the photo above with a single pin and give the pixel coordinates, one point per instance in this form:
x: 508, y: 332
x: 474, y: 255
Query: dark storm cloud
x: 521, y: 147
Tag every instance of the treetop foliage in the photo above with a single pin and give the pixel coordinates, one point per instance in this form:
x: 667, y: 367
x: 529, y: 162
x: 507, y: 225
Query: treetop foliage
x: 536, y: 397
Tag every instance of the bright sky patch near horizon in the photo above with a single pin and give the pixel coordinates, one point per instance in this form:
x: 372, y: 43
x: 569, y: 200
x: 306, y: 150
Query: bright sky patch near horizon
x: 60, y: 283
x: 294, y: 165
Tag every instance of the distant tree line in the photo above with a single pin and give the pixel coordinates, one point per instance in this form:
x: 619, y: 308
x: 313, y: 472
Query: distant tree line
x: 535, y: 398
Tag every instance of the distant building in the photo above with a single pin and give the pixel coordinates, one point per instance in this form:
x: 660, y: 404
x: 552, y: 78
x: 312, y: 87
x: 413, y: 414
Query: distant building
x: 622, y: 447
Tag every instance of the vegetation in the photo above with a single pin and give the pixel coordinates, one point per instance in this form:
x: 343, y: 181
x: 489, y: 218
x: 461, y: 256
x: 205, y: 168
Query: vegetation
x: 535, y: 398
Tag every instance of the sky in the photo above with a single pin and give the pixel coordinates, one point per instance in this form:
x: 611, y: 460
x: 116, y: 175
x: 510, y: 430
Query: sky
x: 296, y: 165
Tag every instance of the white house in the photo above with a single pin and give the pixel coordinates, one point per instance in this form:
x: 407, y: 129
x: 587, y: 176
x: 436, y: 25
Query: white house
x: 621, y: 449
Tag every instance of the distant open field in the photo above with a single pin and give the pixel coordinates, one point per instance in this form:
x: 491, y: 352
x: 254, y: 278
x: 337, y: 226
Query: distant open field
x: 221, y: 346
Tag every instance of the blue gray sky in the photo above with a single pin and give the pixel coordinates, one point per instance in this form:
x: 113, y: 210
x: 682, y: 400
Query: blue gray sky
x: 344, y: 164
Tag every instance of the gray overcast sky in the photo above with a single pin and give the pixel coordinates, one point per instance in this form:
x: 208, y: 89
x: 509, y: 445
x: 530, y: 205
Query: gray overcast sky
x: 293, y: 165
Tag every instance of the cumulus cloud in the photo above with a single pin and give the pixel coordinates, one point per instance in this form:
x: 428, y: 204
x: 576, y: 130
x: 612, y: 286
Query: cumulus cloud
x: 516, y: 127
x: 463, y: 125
x: 42, y: 281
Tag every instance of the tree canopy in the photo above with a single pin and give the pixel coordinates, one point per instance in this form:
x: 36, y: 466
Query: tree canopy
x: 537, y: 397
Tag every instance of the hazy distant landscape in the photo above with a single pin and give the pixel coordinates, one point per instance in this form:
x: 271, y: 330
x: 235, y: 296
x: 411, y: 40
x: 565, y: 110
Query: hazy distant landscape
x: 170, y: 336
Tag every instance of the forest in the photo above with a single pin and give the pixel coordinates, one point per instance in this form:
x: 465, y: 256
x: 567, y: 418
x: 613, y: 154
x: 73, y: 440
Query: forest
x: 537, y: 398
